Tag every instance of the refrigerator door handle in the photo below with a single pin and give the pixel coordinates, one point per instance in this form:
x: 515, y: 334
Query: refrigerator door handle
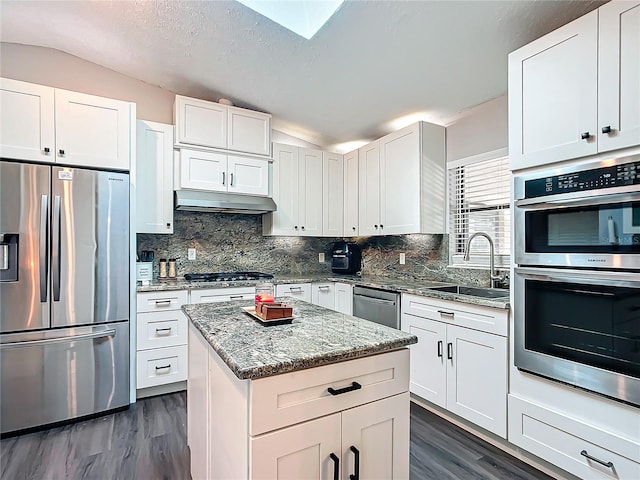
x: 55, y: 250
x: 86, y: 336
x: 44, y: 235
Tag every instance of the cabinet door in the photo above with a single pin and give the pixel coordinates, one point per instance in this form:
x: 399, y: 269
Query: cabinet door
x: 197, y: 405
x: 428, y: 373
x: 26, y: 121
x: 380, y: 433
x: 154, y: 177
x: 323, y: 294
x: 619, y: 75
x: 248, y: 175
x: 299, y: 452
x: 344, y: 298
x: 400, y: 181
x: 284, y: 221
x: 332, y: 195
x: 310, y: 193
x: 92, y: 131
x: 369, y: 190
x: 249, y: 131
x: 553, y: 85
x: 477, y: 377
x: 199, y: 122
x: 351, y: 194
x: 203, y: 170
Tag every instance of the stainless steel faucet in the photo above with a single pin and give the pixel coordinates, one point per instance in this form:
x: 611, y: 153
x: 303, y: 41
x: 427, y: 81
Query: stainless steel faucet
x: 493, y: 274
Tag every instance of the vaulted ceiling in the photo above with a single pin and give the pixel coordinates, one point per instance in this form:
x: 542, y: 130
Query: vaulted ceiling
x: 372, y: 63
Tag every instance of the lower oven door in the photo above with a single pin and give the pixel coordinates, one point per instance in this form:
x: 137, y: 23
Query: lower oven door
x: 581, y: 328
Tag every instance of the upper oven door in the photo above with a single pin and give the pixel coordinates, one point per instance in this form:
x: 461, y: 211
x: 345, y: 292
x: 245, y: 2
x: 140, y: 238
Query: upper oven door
x: 596, y: 224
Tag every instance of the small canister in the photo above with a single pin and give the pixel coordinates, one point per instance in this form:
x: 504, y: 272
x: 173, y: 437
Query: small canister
x: 172, y: 268
x: 163, y: 268
x: 265, y: 293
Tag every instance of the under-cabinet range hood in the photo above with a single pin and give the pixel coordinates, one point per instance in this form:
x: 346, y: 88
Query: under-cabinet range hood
x: 200, y: 201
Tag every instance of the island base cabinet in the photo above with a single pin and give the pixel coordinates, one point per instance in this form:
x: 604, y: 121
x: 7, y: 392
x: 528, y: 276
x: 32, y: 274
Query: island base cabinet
x: 372, y: 439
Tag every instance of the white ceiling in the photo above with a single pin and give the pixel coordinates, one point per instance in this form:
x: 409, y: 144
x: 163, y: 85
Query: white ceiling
x: 373, y: 62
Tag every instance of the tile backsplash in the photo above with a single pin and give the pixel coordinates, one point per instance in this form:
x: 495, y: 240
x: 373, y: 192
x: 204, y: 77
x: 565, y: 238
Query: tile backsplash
x: 228, y: 242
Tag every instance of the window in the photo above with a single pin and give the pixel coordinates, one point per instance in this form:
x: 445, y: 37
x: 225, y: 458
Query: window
x: 479, y: 195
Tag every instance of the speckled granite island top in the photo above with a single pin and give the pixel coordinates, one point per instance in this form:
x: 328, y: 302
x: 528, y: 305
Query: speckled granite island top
x: 317, y: 336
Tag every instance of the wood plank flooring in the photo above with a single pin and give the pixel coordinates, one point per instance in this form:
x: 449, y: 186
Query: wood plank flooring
x: 148, y: 442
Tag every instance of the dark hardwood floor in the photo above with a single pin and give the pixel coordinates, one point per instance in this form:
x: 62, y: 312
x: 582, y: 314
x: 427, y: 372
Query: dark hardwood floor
x: 148, y: 442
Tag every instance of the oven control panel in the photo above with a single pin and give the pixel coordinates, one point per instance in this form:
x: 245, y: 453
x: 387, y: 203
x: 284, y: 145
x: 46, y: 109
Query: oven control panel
x: 605, y: 177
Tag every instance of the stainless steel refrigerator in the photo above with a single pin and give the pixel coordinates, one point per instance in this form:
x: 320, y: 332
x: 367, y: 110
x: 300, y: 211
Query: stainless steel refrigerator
x: 64, y: 293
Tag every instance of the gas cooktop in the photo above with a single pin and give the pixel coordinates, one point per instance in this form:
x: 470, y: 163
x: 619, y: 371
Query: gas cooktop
x: 226, y: 276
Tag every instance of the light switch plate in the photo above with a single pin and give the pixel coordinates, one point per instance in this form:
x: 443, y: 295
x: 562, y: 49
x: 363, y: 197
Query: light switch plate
x: 321, y: 257
x: 402, y: 259
x: 191, y: 253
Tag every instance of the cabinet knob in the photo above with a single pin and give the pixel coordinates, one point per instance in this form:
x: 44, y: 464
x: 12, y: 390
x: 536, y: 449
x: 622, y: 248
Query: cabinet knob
x: 46, y: 150
x: 375, y: 226
x: 61, y: 152
x: 303, y: 227
x: 607, y: 129
x: 296, y: 227
x: 353, y: 228
x: 168, y: 225
x: 381, y: 226
x: 585, y: 136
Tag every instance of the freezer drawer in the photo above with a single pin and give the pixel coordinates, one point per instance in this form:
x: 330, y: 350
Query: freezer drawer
x: 61, y: 374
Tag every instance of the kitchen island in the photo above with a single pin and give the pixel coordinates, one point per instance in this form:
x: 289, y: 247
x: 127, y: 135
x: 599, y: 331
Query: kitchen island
x: 324, y: 397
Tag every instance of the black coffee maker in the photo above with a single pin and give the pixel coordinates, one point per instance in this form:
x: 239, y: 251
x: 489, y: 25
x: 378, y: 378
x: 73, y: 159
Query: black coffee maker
x: 346, y: 258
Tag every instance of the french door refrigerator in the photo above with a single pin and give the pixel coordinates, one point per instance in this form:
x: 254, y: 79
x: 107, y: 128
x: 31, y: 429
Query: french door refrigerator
x: 64, y: 293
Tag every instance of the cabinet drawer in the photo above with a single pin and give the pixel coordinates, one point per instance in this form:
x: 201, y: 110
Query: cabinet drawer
x: 560, y: 440
x: 161, y: 366
x: 291, y: 398
x: 301, y: 291
x: 161, y: 329
x: 222, y: 294
x: 485, y: 319
x: 157, y: 301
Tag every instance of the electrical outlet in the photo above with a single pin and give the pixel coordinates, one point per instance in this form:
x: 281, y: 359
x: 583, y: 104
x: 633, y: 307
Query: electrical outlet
x: 191, y: 253
x: 402, y: 259
x: 321, y: 257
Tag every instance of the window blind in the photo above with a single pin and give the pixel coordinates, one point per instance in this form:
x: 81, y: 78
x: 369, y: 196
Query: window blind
x: 479, y: 194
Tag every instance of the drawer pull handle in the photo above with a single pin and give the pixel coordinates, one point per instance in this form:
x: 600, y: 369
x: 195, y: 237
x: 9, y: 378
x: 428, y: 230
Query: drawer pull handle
x: 295, y: 289
x: 445, y: 313
x: 336, y: 465
x: 356, y: 463
x: 440, y: 348
x: 164, y: 367
x: 449, y: 351
x: 163, y: 331
x: 324, y: 287
x: 163, y: 302
x: 236, y: 297
x: 340, y: 391
x: 597, y: 460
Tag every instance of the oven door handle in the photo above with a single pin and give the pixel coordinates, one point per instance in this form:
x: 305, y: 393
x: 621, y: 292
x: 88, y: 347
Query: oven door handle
x: 584, y: 277
x: 565, y: 201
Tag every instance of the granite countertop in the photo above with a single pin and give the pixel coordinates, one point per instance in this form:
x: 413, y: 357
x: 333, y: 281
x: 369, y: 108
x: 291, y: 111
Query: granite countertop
x: 415, y: 287
x: 317, y: 336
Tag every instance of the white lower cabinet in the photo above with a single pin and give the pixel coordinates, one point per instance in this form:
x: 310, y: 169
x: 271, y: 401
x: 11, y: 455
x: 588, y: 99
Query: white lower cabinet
x: 324, y: 294
x: 344, y: 298
x: 456, y: 367
x: 583, y: 450
x: 208, y: 295
x: 301, y: 291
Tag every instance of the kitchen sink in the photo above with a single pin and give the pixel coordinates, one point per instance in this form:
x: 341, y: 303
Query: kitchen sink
x: 474, y: 291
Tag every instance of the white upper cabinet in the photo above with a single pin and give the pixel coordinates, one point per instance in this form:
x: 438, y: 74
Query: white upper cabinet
x: 574, y: 92
x: 58, y: 126
x: 332, y: 195
x: 200, y: 170
x: 213, y: 125
x: 351, y: 194
x: 619, y: 75
x: 26, y: 121
x: 310, y: 192
x: 154, y: 177
x: 248, y: 175
x: 402, y: 182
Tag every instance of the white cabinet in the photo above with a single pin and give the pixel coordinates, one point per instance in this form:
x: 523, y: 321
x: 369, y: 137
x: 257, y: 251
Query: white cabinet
x: 210, y: 124
x: 344, y: 298
x: 332, y: 195
x: 208, y: 295
x: 351, y: 194
x: 301, y: 291
x: 26, y: 121
x: 86, y: 130
x: 218, y: 172
x: 402, y: 182
x: 574, y: 92
x: 323, y: 294
x: 154, y: 177
x: 461, y: 359
x: 297, y: 192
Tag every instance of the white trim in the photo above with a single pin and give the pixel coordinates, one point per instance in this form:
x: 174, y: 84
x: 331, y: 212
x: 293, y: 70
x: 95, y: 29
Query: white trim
x: 481, y: 157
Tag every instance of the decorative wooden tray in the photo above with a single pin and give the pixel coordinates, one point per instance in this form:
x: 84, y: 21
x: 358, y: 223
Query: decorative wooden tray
x: 251, y: 311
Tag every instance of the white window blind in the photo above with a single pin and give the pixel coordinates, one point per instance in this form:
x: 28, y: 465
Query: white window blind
x: 479, y: 202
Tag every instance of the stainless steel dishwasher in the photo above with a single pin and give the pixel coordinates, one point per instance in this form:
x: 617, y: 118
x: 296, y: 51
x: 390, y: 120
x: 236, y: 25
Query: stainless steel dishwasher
x: 380, y: 306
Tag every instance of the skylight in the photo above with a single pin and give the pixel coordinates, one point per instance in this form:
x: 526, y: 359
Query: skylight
x: 303, y: 17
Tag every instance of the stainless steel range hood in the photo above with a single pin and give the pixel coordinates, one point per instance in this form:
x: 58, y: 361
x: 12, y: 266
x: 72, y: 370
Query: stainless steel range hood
x: 199, y: 201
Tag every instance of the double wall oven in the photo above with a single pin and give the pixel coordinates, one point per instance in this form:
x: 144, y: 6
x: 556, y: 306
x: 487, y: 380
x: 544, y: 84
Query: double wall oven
x: 577, y: 276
